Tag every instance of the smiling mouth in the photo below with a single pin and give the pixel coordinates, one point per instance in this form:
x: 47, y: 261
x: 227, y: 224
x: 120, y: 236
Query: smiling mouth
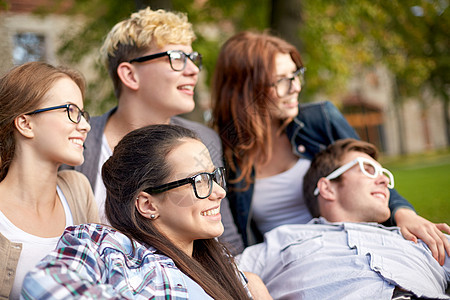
x: 211, y: 212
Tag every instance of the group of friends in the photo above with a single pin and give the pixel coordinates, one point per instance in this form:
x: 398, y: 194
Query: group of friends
x: 277, y: 200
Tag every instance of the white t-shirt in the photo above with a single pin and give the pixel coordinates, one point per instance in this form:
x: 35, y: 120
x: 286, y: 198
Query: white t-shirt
x: 278, y: 200
x: 34, y: 248
x: 100, y: 189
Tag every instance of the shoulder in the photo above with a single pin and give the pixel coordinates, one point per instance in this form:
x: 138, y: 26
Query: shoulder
x: 111, y: 245
x: 76, y: 188
x: 96, y: 237
x: 98, y: 123
x: 206, y: 134
x: 94, y: 233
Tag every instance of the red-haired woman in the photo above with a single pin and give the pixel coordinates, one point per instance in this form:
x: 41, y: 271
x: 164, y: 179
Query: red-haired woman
x: 269, y: 139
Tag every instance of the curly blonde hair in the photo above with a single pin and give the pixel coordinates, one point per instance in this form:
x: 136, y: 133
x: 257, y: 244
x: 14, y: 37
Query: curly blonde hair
x: 144, y: 30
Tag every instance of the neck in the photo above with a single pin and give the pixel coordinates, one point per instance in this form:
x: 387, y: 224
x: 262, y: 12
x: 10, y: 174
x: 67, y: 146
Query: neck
x: 138, y: 112
x: 130, y: 115
x: 187, y: 248
x: 337, y: 215
x: 29, y: 182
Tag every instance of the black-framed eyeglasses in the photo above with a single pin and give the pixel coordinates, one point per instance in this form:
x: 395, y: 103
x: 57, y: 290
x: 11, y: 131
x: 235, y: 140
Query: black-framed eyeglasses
x: 74, y: 113
x: 201, y: 182
x: 283, y: 86
x: 177, y: 59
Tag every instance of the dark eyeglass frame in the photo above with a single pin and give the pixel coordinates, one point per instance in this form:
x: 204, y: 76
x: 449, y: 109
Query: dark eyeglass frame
x: 192, y: 56
x: 190, y: 180
x: 81, y: 112
x: 297, y: 74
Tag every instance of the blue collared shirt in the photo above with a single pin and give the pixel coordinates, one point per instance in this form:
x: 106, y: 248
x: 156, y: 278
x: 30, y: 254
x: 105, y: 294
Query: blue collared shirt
x: 322, y: 260
x: 96, y: 262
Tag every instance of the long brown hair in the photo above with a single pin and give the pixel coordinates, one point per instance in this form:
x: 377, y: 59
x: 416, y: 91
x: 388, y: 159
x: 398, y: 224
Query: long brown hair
x: 139, y: 162
x: 242, y: 99
x: 21, y: 91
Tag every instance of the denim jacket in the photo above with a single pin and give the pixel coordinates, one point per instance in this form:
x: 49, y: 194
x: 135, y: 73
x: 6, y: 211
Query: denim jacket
x: 316, y: 126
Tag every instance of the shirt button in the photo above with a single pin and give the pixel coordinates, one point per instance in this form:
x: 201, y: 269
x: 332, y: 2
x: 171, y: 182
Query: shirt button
x: 301, y: 148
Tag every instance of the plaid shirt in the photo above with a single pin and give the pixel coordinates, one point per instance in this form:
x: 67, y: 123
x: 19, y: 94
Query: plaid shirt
x: 96, y: 262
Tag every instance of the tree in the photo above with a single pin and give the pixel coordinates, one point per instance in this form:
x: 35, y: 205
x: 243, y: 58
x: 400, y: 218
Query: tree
x: 338, y: 38
x: 286, y: 20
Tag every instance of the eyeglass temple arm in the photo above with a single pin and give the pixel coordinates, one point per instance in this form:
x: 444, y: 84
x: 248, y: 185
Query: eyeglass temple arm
x: 47, y: 109
x: 336, y: 173
x: 148, y: 57
x: 168, y: 186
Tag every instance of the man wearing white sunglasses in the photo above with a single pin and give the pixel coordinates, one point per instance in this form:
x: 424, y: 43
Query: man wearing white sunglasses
x: 344, y: 253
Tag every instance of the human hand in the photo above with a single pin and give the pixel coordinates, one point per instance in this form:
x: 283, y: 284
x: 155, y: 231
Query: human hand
x: 415, y: 227
x: 257, y: 287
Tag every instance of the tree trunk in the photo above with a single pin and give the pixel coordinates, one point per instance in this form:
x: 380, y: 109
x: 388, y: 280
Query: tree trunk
x: 447, y: 119
x: 398, y: 107
x: 286, y: 19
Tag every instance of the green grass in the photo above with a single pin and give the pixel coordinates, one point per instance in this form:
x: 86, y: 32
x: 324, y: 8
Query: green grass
x: 424, y: 180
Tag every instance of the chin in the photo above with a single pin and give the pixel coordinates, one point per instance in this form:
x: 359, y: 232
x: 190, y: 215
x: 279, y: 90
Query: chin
x: 290, y: 114
x: 74, y: 162
x: 384, y: 217
x: 217, y: 233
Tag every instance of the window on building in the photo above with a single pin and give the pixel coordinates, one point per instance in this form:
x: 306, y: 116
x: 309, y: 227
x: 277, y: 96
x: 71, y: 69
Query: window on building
x: 28, y: 46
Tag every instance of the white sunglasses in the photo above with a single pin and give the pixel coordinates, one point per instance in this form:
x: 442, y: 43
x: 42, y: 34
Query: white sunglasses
x: 368, y: 167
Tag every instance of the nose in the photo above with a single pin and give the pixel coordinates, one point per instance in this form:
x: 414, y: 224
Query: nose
x: 218, y: 192
x: 191, y: 68
x: 383, y: 179
x: 296, y: 85
x: 83, y: 125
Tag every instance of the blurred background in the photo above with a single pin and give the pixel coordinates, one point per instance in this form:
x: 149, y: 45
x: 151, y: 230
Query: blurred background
x: 385, y: 64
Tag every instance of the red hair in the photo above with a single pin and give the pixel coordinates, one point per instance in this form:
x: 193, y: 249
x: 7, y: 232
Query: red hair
x: 242, y: 98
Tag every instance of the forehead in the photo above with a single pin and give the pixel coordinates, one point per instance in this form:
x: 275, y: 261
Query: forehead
x: 183, y: 47
x: 284, y: 64
x: 348, y: 157
x: 190, y: 157
x: 64, y: 90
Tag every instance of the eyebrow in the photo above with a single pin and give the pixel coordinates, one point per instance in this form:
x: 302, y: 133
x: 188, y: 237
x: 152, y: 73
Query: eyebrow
x: 197, y: 172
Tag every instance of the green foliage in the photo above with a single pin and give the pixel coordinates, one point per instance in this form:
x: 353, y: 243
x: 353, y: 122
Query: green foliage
x: 339, y: 38
x: 3, y: 5
x: 423, y: 180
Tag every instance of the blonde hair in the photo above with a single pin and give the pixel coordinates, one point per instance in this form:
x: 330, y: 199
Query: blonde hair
x: 144, y: 29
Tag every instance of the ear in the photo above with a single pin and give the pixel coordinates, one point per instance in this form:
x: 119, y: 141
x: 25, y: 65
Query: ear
x: 147, y: 205
x: 128, y: 76
x: 24, y: 126
x: 327, y: 189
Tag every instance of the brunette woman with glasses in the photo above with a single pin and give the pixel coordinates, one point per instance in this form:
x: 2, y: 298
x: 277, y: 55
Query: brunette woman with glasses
x: 163, y: 203
x: 269, y: 139
x: 42, y: 126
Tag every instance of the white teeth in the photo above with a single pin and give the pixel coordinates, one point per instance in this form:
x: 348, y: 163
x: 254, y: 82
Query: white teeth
x: 187, y: 87
x: 379, y: 195
x: 77, y: 141
x: 211, y: 212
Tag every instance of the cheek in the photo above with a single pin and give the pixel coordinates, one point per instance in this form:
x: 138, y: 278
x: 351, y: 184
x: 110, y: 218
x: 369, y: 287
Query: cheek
x: 182, y: 198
